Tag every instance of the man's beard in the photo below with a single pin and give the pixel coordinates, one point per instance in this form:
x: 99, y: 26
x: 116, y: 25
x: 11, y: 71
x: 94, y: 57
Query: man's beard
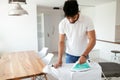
x: 73, y: 22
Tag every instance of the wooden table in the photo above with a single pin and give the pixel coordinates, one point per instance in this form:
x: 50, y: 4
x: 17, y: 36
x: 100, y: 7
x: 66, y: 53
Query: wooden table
x: 18, y: 65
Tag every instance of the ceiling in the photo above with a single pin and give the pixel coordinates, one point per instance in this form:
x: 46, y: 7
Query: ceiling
x: 59, y: 3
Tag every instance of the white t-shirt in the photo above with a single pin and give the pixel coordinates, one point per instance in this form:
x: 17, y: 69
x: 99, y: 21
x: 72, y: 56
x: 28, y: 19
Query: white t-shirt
x: 76, y: 37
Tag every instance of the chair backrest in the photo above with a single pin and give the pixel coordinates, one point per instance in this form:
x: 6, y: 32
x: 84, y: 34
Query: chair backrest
x: 47, y: 59
x: 42, y: 53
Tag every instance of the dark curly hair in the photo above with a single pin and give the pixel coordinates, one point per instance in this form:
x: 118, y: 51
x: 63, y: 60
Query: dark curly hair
x: 71, y: 8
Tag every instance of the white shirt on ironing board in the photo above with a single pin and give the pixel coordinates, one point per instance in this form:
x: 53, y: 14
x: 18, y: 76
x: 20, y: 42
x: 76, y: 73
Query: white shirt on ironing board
x: 65, y: 73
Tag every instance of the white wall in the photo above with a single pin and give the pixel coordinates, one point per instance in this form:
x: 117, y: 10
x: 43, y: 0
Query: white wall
x: 105, y: 21
x: 89, y: 11
x: 18, y: 33
x: 105, y: 24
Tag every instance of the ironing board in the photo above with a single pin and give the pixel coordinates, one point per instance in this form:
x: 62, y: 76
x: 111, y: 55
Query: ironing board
x: 110, y: 69
x: 64, y: 72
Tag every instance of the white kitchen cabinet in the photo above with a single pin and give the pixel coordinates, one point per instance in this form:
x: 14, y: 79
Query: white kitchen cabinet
x: 40, y: 31
x: 44, y: 30
x: 48, y: 21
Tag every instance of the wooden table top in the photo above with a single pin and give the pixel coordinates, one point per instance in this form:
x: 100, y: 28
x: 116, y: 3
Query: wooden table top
x: 17, y: 65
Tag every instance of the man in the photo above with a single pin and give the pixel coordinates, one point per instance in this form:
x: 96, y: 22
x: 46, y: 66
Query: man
x: 77, y: 32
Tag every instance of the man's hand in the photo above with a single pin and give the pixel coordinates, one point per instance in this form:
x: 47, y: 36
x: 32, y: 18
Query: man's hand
x: 58, y: 64
x: 81, y: 60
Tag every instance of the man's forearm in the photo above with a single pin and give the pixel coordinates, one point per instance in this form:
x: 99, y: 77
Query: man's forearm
x: 60, y: 50
x: 92, y: 42
x: 90, y: 46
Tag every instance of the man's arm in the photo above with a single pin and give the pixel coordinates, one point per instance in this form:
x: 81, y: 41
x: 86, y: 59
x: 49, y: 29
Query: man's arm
x: 61, y: 47
x: 92, y: 41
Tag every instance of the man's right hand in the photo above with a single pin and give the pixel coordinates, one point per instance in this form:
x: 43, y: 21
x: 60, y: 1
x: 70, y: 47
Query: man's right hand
x: 58, y: 64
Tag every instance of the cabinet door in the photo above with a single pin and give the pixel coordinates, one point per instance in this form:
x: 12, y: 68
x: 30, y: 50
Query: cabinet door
x: 40, y: 31
x: 44, y: 29
x: 48, y: 30
x: 48, y: 26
